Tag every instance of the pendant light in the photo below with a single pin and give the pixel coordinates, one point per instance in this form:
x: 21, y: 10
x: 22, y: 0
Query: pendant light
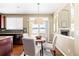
x: 38, y: 19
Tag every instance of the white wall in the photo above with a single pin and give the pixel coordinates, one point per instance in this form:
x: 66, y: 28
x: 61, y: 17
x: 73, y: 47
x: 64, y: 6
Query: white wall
x: 76, y: 32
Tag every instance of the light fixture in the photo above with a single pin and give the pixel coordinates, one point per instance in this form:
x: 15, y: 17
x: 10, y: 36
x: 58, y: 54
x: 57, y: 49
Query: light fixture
x: 38, y: 19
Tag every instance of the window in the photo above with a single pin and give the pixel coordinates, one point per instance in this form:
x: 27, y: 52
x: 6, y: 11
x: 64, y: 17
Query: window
x: 14, y: 23
x: 39, y: 29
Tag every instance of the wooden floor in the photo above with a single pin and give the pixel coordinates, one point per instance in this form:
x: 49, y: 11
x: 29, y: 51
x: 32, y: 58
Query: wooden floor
x: 17, y: 50
x: 56, y: 52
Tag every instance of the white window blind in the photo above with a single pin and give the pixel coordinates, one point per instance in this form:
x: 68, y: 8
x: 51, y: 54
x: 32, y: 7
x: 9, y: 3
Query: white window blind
x: 14, y: 23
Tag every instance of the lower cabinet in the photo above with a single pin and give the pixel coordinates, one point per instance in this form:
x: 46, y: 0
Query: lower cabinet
x: 6, y: 45
x: 17, y: 39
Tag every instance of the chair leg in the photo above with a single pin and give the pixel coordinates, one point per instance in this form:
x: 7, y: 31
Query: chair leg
x: 54, y: 52
x: 40, y: 53
x: 24, y: 55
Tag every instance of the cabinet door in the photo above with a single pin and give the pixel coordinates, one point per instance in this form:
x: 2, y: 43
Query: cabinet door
x: 0, y: 21
x: 64, y: 19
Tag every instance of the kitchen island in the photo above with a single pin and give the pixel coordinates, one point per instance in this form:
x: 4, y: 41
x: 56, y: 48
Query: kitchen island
x: 17, y: 35
x: 6, y: 44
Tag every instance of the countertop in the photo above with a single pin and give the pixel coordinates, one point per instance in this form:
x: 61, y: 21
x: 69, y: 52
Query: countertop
x: 3, y: 37
x: 11, y: 32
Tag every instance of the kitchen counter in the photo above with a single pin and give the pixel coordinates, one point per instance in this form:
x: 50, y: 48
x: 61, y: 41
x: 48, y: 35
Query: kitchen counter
x: 4, y: 37
x: 16, y: 34
x: 11, y: 32
x: 6, y: 45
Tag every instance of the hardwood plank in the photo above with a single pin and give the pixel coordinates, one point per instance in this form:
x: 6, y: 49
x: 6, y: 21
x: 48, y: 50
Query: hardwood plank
x: 17, y: 50
x: 56, y: 52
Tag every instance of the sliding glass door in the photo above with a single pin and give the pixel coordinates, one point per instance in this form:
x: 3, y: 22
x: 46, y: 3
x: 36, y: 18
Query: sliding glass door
x: 41, y: 28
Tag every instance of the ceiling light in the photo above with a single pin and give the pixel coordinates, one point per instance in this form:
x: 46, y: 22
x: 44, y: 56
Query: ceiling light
x: 38, y: 19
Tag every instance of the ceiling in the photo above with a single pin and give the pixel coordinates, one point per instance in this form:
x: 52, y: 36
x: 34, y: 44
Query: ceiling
x: 29, y: 8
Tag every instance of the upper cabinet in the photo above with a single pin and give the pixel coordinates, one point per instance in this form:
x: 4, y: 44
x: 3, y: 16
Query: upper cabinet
x: 2, y: 21
x: 64, y: 18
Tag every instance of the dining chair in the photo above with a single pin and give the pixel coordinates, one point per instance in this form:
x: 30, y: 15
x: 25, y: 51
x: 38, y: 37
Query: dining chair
x: 30, y: 47
x: 50, y: 46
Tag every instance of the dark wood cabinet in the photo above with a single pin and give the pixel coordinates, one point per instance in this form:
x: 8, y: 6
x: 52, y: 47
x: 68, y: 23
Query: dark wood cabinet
x: 6, y: 45
x: 2, y: 21
x: 17, y: 39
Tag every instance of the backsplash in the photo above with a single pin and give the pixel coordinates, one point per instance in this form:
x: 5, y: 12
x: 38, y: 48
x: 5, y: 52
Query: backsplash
x: 12, y: 31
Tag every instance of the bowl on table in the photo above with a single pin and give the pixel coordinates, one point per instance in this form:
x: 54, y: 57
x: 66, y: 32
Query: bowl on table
x: 38, y: 37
